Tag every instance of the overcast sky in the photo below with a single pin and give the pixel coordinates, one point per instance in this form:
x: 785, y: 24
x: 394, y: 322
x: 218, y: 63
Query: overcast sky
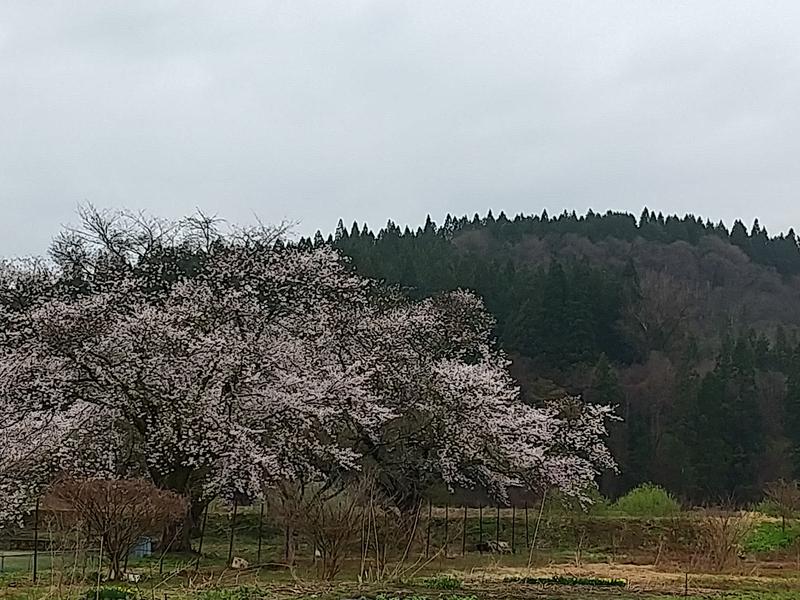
x: 311, y: 111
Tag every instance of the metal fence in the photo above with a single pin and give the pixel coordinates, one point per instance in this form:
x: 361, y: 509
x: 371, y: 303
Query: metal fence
x: 445, y: 530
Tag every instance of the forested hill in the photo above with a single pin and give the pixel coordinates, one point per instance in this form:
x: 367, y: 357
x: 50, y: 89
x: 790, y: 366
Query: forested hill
x: 689, y: 327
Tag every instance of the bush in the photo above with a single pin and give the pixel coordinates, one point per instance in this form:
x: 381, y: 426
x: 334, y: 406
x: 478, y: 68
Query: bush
x: 647, y: 500
x: 123, y: 509
x: 722, y: 536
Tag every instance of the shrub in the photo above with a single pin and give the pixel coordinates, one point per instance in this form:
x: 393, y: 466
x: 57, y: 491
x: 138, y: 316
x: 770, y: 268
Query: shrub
x: 722, y: 535
x: 122, y: 510
x: 443, y: 582
x: 647, y: 500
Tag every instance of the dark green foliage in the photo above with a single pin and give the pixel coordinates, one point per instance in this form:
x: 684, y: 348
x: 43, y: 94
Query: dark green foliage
x: 654, y: 315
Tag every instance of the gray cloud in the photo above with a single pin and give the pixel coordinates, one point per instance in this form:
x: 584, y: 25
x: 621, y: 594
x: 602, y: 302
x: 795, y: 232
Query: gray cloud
x: 311, y: 111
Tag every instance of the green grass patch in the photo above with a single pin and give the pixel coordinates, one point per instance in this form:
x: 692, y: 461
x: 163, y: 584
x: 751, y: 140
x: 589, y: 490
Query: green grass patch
x: 771, y: 537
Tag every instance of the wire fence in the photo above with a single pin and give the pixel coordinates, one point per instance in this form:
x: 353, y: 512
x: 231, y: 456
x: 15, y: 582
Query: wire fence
x: 451, y: 530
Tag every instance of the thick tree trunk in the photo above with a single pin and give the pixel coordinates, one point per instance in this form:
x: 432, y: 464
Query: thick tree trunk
x: 116, y: 569
x: 178, y: 537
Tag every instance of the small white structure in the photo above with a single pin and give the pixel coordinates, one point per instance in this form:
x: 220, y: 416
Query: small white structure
x: 239, y: 563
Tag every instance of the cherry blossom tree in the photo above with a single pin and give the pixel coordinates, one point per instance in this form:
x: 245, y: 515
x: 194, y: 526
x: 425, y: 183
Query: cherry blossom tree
x: 224, y: 364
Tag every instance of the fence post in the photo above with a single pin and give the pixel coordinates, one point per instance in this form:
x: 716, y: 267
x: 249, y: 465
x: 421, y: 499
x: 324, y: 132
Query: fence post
x: 36, y: 541
x: 464, y: 534
x: 446, y: 526
x: 497, y: 527
x: 513, y: 528
x: 260, y: 533
x: 527, y: 534
x: 480, y: 527
x: 428, y: 534
x: 233, y: 525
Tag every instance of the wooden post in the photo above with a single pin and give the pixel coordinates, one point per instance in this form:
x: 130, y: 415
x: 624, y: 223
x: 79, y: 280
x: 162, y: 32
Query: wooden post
x: 428, y: 534
x: 686, y: 584
x: 99, y: 571
x: 233, y: 525
x: 527, y: 533
x: 287, y: 534
x: 497, y: 527
x: 260, y: 531
x: 36, y: 541
x: 446, y: 526
x: 480, y: 526
x: 464, y: 534
x: 513, y: 528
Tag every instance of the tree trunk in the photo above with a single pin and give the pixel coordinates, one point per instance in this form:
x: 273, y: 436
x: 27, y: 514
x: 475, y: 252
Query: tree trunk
x: 177, y: 537
x: 115, y: 570
x: 288, y: 548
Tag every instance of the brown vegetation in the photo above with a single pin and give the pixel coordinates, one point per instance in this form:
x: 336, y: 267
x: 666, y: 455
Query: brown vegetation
x: 118, y: 512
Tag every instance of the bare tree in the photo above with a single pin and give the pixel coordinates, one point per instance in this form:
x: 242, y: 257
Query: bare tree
x: 786, y: 497
x: 119, y: 511
x: 330, y: 519
x: 667, y: 304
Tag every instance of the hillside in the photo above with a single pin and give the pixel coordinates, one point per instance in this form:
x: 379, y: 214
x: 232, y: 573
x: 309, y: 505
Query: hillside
x: 688, y: 327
